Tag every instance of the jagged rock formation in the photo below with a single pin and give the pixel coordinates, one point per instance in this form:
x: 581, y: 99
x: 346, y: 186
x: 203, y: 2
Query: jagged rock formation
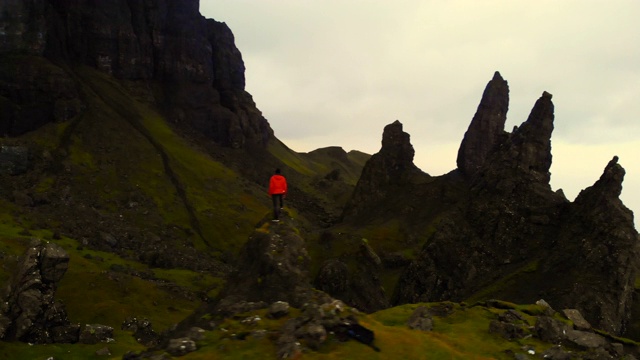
x: 486, y: 128
x: 191, y: 63
x: 507, y: 234
x: 30, y: 313
x: 390, y: 169
x: 599, y: 233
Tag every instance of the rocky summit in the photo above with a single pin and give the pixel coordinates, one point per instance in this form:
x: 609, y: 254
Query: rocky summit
x: 135, y: 221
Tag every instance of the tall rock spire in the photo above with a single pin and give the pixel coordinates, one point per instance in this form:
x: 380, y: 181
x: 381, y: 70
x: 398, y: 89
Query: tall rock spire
x: 391, y: 166
x: 532, y: 141
x: 486, y: 127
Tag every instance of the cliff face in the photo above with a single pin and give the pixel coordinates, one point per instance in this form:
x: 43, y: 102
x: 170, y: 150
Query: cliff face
x: 186, y: 64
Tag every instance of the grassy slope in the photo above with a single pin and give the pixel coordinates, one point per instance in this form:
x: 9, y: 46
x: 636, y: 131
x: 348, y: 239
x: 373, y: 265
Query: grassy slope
x: 93, y: 294
x: 210, y: 189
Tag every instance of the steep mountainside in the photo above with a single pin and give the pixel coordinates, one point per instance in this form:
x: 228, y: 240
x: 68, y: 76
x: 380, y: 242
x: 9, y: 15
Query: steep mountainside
x: 187, y: 64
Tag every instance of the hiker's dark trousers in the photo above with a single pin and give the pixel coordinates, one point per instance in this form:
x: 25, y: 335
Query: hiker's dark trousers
x: 278, y: 203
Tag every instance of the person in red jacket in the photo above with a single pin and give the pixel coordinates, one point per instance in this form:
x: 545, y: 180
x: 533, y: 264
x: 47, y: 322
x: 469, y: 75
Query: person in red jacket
x: 277, y: 190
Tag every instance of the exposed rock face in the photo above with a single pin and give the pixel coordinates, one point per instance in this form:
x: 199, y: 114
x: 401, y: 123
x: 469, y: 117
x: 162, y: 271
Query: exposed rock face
x: 386, y: 171
x: 582, y: 255
x: 486, y: 127
x: 192, y: 63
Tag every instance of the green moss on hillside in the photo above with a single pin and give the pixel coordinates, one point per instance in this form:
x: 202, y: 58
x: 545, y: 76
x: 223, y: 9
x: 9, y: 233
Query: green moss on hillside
x: 125, y: 150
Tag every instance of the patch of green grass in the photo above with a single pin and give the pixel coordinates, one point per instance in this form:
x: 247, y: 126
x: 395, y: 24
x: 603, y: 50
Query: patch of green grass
x: 463, y: 334
x: 196, y: 282
x: 291, y: 159
x: 124, y: 342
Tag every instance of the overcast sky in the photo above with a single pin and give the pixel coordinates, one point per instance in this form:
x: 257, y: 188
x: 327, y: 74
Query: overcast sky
x: 335, y: 72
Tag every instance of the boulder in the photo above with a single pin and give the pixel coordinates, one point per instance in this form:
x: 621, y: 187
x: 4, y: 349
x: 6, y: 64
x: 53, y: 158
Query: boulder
x: 420, y: 319
x: 585, y: 339
x: 576, y: 317
x: 181, y: 346
x: 551, y: 330
x: 278, y: 309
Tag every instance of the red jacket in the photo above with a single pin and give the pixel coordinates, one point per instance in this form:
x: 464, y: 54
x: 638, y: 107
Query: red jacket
x: 277, y: 185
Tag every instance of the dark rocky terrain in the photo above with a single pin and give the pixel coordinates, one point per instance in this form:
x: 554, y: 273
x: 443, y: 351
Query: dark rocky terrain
x: 130, y: 146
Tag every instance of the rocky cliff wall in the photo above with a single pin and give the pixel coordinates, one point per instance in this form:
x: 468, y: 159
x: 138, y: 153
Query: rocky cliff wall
x: 189, y: 65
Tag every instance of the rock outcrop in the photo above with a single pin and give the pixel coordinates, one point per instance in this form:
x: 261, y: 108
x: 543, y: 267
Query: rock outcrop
x: 273, y: 266
x: 29, y: 311
x: 191, y: 63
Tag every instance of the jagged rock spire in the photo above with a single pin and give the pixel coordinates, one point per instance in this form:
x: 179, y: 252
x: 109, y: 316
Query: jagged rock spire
x: 609, y: 185
x: 396, y: 154
x: 601, y: 236
x: 391, y: 166
x: 486, y: 127
x: 524, y: 156
x: 533, y: 139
